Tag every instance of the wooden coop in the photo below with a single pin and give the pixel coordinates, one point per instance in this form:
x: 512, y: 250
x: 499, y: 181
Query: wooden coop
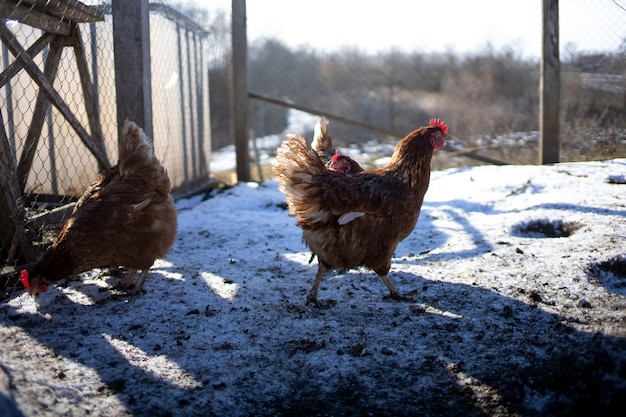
x: 58, y: 19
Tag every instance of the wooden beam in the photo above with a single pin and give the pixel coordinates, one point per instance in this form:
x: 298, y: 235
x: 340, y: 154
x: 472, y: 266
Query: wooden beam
x: 240, y: 89
x: 55, y: 16
x: 47, y: 88
x: 550, y: 85
x: 131, y: 46
x: 35, y: 19
x: 12, y: 236
x: 12, y: 219
x: 73, y: 10
x: 13, y: 69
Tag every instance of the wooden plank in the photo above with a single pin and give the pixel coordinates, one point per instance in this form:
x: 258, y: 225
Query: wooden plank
x: 45, y: 86
x: 131, y: 46
x: 240, y: 89
x: 550, y: 85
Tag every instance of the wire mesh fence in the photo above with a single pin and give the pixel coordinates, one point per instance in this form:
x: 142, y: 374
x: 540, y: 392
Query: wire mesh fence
x: 62, y: 166
x: 489, y: 95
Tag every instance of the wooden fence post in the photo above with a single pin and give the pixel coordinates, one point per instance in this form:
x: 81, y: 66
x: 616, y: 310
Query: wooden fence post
x: 240, y: 89
x: 549, y: 85
x: 131, y: 46
x: 14, y: 238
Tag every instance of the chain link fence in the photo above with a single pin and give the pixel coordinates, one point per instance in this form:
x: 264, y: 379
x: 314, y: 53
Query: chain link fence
x: 488, y: 96
x: 593, y: 81
x: 62, y: 166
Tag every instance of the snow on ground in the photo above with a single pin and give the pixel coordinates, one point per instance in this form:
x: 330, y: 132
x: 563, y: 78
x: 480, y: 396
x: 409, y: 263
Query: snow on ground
x: 507, y: 321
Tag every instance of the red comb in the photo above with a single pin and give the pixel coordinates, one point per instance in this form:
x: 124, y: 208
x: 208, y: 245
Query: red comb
x: 24, y: 279
x: 440, y: 124
x: 336, y: 156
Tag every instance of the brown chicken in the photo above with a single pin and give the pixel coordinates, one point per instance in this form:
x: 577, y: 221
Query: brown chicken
x: 343, y: 163
x: 127, y: 218
x: 357, y: 220
x: 323, y: 145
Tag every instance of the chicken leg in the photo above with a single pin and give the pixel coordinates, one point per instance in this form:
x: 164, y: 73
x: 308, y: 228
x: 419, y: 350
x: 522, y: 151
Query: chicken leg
x: 394, y: 294
x: 312, y: 296
x: 131, y: 276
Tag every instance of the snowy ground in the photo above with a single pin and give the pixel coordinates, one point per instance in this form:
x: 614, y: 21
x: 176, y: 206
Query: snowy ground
x: 507, y: 320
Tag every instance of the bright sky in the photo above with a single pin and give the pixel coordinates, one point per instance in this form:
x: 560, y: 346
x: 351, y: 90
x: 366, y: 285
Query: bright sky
x: 428, y: 25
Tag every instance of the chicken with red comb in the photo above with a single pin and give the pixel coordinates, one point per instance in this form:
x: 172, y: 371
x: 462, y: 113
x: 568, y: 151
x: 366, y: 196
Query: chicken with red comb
x: 127, y: 218
x: 343, y: 163
x: 357, y: 219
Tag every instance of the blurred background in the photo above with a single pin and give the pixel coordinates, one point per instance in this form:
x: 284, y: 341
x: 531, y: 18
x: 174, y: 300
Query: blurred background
x: 395, y: 64
x: 387, y: 67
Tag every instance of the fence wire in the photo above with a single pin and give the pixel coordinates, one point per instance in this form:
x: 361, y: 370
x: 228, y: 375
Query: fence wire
x: 488, y: 96
x: 63, y: 167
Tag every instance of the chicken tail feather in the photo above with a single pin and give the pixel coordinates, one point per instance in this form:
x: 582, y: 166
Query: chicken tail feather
x: 295, y: 166
x: 135, y: 150
x: 322, y: 143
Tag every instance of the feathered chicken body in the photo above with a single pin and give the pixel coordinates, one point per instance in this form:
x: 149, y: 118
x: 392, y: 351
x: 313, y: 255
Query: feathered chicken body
x: 126, y: 218
x: 357, y: 220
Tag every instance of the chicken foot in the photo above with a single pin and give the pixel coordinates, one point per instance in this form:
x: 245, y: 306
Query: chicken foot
x: 131, y: 276
x: 394, y: 294
x: 312, y: 296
